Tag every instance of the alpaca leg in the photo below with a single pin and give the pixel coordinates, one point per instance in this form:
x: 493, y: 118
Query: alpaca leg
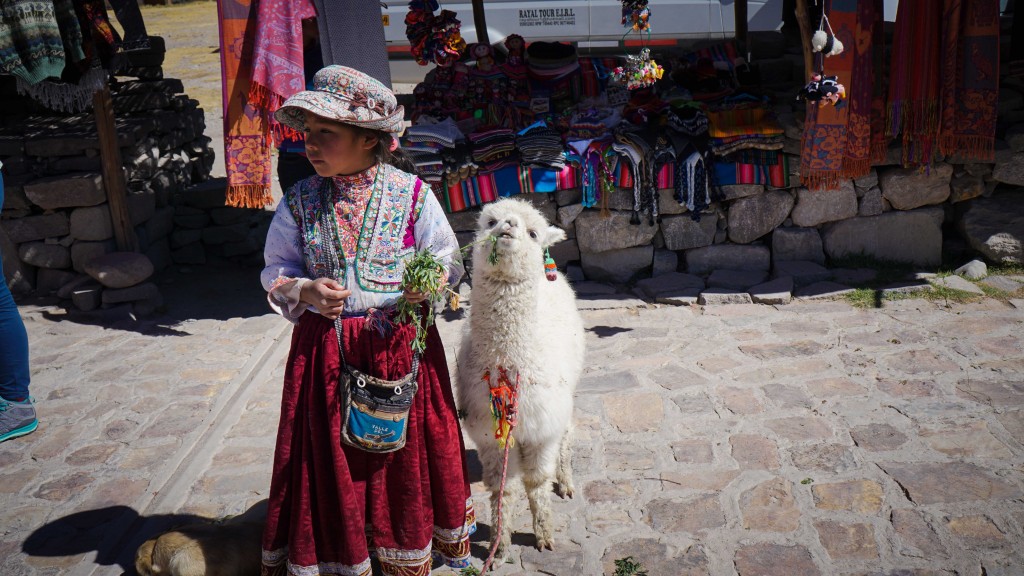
x: 492, y: 461
x: 538, y: 471
x: 563, y: 474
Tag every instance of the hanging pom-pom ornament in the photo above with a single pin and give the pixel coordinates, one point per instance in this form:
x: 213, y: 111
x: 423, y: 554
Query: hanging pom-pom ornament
x: 640, y: 71
x: 826, y: 43
x: 433, y: 38
x: 636, y: 15
x: 824, y: 40
x: 550, y: 268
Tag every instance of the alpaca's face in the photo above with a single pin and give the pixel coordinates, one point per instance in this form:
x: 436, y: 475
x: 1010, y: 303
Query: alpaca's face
x: 522, y: 235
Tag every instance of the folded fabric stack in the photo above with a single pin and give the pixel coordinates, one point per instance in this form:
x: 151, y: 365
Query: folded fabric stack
x: 551, y: 61
x: 540, y: 146
x: 426, y: 145
x: 494, y: 149
x: 747, y: 127
x: 593, y: 123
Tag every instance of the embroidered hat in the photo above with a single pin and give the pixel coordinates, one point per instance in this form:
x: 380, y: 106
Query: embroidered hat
x: 348, y: 96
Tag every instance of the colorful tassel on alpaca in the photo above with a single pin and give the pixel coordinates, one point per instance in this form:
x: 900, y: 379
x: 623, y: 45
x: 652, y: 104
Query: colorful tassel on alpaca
x: 550, y: 268
x: 504, y: 405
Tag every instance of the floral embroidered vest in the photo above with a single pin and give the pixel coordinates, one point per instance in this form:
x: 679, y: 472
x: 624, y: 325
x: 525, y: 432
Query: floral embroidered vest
x: 385, y: 239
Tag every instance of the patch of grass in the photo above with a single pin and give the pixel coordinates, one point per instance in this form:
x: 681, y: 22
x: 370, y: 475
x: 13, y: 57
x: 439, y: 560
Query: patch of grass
x: 870, y: 294
x: 950, y: 295
x: 629, y: 567
x: 1006, y: 270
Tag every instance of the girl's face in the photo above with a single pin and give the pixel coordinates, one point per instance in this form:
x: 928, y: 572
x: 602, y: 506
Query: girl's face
x: 334, y: 148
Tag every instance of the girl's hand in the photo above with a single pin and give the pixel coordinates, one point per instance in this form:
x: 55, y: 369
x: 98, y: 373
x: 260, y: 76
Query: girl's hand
x: 414, y: 297
x: 326, y: 295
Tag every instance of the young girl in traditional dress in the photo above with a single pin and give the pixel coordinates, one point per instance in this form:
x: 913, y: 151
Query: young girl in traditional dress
x: 333, y: 506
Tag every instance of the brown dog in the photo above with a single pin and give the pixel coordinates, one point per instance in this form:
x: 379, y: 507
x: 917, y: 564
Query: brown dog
x: 229, y: 549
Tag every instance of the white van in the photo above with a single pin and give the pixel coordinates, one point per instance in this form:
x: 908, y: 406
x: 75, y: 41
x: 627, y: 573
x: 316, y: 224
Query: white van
x: 590, y: 24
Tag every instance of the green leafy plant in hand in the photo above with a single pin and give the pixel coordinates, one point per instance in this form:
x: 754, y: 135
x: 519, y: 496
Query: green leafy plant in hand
x: 425, y: 274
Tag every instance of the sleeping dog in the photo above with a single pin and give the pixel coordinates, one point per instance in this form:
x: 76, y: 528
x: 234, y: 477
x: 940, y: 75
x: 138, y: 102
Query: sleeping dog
x: 228, y: 549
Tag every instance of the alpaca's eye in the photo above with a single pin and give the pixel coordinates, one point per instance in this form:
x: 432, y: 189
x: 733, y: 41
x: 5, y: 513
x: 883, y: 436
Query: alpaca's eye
x: 533, y: 234
x: 492, y: 222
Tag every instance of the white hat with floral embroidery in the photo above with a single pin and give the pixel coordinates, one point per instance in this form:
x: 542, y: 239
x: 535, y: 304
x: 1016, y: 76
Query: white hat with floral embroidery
x: 348, y: 96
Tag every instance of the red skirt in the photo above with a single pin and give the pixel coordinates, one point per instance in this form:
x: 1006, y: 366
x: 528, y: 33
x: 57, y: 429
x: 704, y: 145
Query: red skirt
x: 331, y: 505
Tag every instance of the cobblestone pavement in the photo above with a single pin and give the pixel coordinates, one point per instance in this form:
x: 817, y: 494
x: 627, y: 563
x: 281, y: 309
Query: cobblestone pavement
x: 810, y: 438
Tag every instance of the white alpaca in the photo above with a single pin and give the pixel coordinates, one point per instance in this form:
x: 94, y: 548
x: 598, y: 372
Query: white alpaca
x: 529, y: 325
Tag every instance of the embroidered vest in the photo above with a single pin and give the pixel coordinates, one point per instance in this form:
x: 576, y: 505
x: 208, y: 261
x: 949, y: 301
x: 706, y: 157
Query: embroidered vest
x: 383, y: 245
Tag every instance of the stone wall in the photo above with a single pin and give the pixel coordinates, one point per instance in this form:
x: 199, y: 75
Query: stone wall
x: 892, y: 214
x: 56, y: 220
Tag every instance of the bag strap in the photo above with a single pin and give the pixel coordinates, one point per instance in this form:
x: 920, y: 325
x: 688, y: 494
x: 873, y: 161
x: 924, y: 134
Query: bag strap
x: 335, y: 265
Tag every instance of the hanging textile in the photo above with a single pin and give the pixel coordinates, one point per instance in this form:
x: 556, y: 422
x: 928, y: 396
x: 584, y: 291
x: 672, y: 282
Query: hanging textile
x: 970, y: 81
x: 838, y: 142
x: 352, y: 34
x: 246, y: 133
x: 67, y: 96
x: 913, y: 106
x: 277, y: 70
x: 72, y: 87
x: 31, y: 46
x: 944, y: 79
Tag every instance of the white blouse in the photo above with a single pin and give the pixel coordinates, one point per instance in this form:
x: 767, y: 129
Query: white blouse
x: 284, y: 261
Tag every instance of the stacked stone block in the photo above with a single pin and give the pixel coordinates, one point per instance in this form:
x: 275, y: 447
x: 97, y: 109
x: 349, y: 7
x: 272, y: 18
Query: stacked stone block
x: 56, y: 219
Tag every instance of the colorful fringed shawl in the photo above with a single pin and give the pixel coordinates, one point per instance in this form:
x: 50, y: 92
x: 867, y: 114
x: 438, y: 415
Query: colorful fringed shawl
x: 913, y: 106
x: 31, y: 46
x: 970, y: 81
x: 246, y: 141
x: 838, y: 141
x: 944, y: 81
x: 277, y: 70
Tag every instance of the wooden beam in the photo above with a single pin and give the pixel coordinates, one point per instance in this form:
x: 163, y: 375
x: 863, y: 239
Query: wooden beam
x: 804, y: 20
x: 113, y: 171
x: 740, y: 14
x: 480, y: 22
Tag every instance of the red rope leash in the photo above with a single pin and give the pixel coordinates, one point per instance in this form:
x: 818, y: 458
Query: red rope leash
x: 504, y: 411
x: 496, y: 537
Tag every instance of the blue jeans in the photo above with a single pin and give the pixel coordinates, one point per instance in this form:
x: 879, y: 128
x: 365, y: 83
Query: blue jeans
x: 14, y: 373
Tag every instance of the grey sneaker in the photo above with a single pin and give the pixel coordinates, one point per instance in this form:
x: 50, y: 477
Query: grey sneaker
x: 17, y: 418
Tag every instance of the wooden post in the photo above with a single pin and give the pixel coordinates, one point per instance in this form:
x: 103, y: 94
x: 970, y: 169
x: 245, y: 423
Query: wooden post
x: 803, y: 19
x: 113, y: 171
x: 480, y: 21
x: 740, y: 14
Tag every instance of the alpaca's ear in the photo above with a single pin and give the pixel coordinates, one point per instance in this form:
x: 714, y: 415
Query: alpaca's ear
x: 552, y: 235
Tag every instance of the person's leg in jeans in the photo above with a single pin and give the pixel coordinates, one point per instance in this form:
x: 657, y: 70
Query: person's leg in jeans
x: 17, y: 414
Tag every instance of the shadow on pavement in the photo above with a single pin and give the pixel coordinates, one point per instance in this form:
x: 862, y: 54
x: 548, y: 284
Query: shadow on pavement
x: 114, y: 532
x: 607, y: 331
x: 101, y: 530
x: 215, y: 291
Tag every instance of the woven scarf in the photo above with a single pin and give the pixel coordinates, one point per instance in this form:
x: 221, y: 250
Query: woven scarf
x: 31, y: 46
x: 970, y: 81
x: 246, y: 133
x: 277, y: 70
x: 838, y: 141
x: 913, y: 106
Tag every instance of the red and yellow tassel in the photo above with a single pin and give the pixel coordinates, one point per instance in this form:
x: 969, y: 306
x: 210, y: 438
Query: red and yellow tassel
x: 504, y: 405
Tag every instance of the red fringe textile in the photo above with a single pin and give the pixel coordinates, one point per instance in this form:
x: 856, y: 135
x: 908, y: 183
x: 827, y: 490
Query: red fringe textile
x: 840, y: 142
